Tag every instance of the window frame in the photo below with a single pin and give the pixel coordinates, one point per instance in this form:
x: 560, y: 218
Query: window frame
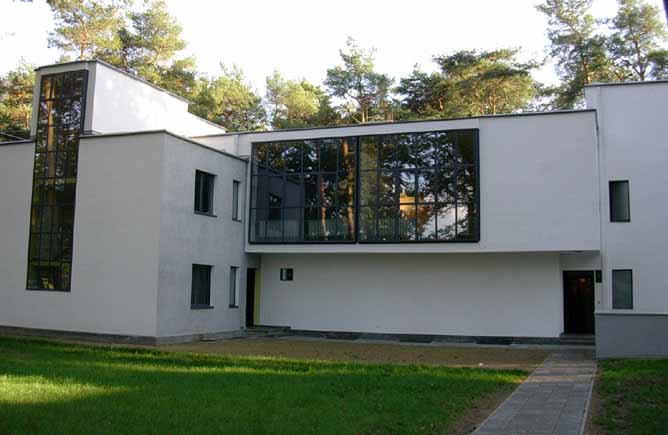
x: 234, y: 287
x: 287, y: 274
x: 196, y: 304
x: 211, y: 179
x: 612, y: 288
x: 61, y: 153
x: 612, y: 183
x: 357, y: 206
x: 236, y: 200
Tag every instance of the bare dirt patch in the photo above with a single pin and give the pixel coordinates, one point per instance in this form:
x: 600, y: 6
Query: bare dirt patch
x: 332, y: 350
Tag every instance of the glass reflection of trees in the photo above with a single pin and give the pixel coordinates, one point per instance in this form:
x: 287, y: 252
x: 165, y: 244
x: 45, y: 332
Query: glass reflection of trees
x: 59, y: 123
x: 413, y: 187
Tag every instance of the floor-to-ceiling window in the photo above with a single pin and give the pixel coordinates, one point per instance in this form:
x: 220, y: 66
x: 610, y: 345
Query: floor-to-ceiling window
x: 59, y: 122
x: 408, y: 187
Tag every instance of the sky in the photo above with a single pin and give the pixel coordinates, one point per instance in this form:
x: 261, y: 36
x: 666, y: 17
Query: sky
x: 302, y: 38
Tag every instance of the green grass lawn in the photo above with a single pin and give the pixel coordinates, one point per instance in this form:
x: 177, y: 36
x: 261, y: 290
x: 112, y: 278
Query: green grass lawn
x: 48, y: 387
x: 634, y: 396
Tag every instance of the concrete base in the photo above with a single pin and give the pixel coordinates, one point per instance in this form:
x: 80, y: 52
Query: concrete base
x: 117, y: 339
x: 424, y: 338
x: 628, y: 334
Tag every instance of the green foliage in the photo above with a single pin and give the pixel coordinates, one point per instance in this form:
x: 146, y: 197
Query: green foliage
x: 71, y: 389
x: 295, y: 104
x: 149, y: 46
x: 229, y: 101
x: 634, y: 396
x: 470, y: 83
x: 16, y: 100
x: 88, y: 29
x: 365, y: 92
x: 579, y: 52
x: 632, y: 48
x: 635, y: 43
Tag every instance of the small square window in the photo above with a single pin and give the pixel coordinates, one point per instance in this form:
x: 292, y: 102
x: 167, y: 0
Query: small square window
x: 622, y: 289
x: 201, y: 286
x: 204, y: 192
x: 287, y: 274
x: 620, y: 209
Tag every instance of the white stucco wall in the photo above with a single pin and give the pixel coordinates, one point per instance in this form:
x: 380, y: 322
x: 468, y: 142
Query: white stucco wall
x: 538, y: 184
x: 633, y: 131
x: 187, y: 238
x: 122, y: 103
x: 117, y: 102
x: 115, y: 265
x: 451, y: 294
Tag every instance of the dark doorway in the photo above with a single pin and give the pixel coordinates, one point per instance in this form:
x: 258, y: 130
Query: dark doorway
x: 579, y: 302
x: 250, y: 297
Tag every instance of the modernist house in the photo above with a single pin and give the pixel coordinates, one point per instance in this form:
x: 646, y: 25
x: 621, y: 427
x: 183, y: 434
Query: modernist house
x: 126, y: 216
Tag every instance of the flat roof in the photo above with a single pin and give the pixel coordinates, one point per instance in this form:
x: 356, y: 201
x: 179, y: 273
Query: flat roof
x: 161, y: 131
x: 108, y: 65
x: 646, y: 82
x: 417, y: 121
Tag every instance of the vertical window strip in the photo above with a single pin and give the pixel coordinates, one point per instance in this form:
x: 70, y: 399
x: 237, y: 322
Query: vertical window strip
x: 60, y: 120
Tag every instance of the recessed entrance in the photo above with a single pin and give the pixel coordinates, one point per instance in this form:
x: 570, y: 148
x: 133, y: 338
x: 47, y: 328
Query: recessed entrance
x: 250, y: 297
x: 579, y: 302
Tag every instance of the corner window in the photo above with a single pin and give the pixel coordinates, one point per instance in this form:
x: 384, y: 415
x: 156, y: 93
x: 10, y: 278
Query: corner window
x: 620, y: 209
x: 622, y: 289
x: 235, y: 199
x: 204, y: 192
x: 234, y: 287
x: 287, y: 274
x: 201, y: 286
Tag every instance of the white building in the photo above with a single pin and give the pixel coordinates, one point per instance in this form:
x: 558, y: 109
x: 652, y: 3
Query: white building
x: 129, y: 218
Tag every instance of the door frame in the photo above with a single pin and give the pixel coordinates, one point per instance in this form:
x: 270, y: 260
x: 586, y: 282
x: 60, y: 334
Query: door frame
x: 574, y: 274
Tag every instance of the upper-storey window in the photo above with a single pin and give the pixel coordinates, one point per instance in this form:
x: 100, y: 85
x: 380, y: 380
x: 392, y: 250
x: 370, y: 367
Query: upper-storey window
x: 60, y: 119
x: 204, y: 192
x: 409, y: 187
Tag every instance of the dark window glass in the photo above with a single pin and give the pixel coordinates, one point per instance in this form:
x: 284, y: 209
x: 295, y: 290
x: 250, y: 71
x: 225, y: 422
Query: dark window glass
x: 287, y: 274
x: 201, y: 286
x: 408, y: 187
x: 234, y: 287
x: 622, y: 289
x: 204, y: 192
x: 235, y: 199
x: 620, y: 209
x: 60, y: 119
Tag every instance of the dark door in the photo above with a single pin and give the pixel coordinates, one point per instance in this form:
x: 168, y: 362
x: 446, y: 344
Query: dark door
x: 579, y: 302
x: 250, y: 297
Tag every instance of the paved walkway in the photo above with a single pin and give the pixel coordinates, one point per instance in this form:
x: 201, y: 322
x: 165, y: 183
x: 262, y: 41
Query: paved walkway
x: 553, y: 399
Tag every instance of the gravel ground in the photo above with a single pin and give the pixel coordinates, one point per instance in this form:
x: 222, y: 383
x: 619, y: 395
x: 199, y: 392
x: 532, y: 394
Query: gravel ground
x: 359, y: 351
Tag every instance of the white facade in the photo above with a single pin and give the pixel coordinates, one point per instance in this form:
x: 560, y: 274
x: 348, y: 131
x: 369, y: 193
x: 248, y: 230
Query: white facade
x: 544, y: 213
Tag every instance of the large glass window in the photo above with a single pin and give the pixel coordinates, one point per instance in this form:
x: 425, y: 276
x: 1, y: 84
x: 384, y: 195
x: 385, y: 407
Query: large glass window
x: 412, y: 187
x: 60, y: 120
x: 303, y: 191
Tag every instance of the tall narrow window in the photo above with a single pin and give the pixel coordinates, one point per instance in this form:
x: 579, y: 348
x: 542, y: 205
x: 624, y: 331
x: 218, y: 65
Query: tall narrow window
x: 622, y: 289
x: 234, y: 287
x: 235, y: 200
x: 60, y: 120
x: 204, y: 192
x: 620, y: 208
x: 201, y: 286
